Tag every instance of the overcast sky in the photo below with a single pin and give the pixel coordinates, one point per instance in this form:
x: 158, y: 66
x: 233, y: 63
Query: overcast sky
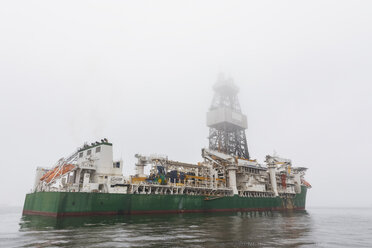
x: 140, y: 73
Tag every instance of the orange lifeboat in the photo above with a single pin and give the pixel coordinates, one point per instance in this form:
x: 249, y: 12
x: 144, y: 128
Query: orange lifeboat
x: 56, y: 172
x: 46, y: 175
x: 306, y: 183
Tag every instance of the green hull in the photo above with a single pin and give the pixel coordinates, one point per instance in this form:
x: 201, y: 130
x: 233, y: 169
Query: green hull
x: 79, y: 203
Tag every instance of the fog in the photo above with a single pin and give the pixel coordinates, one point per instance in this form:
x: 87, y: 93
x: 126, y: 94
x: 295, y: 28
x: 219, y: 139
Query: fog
x: 140, y: 73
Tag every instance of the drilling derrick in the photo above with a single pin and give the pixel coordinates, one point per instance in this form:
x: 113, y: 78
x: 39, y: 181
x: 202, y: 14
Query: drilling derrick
x: 225, y: 120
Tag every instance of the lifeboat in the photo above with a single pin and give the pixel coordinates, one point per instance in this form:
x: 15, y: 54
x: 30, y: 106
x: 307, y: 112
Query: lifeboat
x: 304, y: 182
x: 56, y: 172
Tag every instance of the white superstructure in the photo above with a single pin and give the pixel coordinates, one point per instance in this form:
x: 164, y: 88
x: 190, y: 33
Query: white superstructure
x: 92, y: 169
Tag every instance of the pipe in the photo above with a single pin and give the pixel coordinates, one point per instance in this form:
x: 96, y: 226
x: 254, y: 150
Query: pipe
x: 232, y: 179
x: 272, y: 172
x: 297, y: 179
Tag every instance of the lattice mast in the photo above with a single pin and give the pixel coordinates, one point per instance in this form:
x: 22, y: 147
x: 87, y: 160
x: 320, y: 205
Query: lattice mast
x: 225, y: 120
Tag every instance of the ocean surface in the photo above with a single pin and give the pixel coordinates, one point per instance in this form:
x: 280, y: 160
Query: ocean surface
x: 315, y: 227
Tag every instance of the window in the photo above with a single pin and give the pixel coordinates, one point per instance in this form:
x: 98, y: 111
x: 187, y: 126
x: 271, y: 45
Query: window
x: 98, y: 149
x: 80, y: 155
x: 89, y: 152
x: 116, y: 165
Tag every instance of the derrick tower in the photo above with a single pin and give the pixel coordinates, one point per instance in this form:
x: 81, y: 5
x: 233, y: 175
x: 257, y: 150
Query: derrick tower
x: 225, y: 120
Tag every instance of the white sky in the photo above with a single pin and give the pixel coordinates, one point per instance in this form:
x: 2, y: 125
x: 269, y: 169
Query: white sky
x: 141, y: 73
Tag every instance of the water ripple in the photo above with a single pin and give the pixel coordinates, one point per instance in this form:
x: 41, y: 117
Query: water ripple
x: 313, y: 228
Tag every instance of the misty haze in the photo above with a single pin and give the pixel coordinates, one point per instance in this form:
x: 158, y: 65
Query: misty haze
x: 142, y: 75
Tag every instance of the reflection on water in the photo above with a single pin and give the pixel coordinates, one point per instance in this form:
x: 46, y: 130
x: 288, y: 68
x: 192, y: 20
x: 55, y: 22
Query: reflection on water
x: 321, y: 227
x: 252, y: 229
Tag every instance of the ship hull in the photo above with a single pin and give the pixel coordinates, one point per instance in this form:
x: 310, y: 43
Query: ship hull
x: 59, y: 204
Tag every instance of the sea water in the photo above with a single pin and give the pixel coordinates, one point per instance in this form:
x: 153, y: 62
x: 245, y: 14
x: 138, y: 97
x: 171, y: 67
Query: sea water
x: 315, y: 227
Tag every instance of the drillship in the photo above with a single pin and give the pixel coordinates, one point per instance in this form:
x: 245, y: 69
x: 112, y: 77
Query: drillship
x: 90, y: 182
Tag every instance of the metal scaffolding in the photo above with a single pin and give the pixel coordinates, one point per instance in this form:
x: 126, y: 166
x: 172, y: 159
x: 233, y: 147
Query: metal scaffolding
x: 226, y: 122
